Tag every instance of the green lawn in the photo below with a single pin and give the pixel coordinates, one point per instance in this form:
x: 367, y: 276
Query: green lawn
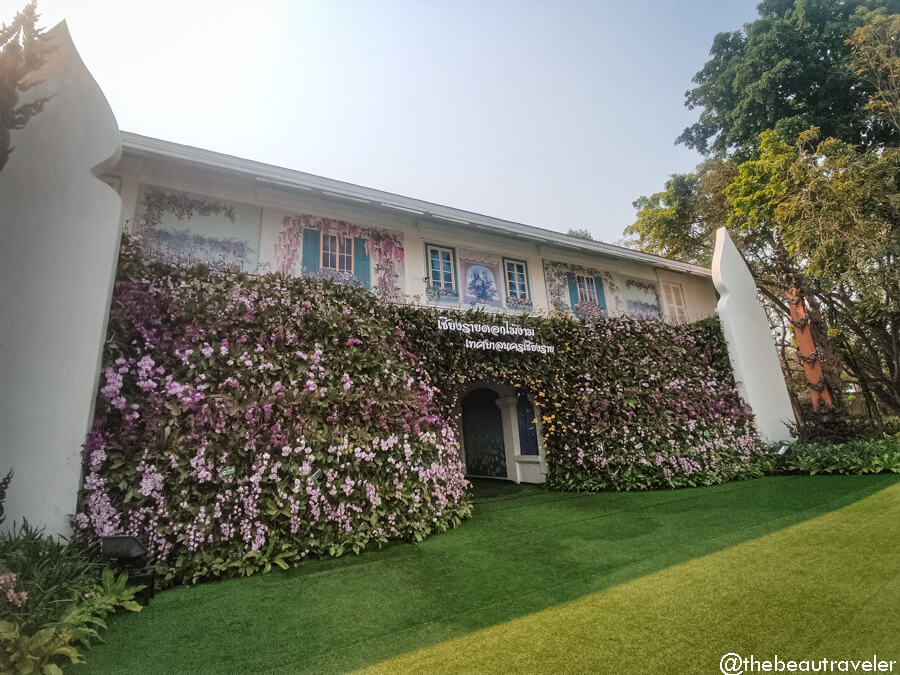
x: 652, y: 582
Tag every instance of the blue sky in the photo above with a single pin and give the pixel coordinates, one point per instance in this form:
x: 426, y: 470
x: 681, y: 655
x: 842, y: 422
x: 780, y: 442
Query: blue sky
x: 556, y: 114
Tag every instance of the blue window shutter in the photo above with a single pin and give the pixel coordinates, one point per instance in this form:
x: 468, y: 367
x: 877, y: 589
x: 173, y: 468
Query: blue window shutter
x: 601, y: 296
x: 361, y: 261
x: 573, y: 291
x: 311, y: 255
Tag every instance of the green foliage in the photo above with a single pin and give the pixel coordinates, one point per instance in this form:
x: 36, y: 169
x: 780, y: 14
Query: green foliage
x: 61, y: 595
x: 786, y: 71
x: 836, y: 428
x: 854, y: 457
x: 54, y: 574
x: 876, y: 60
x: 22, y: 51
x: 623, y: 404
x: 680, y: 222
x: 832, y: 212
x: 821, y: 215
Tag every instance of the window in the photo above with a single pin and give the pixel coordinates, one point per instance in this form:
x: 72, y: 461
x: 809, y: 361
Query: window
x: 675, y: 306
x: 516, y: 279
x: 587, y: 291
x: 440, y: 268
x: 337, y: 253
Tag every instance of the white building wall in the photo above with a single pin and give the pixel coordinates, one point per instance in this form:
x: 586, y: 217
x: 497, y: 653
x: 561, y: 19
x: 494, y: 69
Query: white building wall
x: 415, y: 231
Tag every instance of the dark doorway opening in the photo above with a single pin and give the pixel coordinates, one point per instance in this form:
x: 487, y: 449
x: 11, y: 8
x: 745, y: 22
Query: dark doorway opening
x: 483, y: 434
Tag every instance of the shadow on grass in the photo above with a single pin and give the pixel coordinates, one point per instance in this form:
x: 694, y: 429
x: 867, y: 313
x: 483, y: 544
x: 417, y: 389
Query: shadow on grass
x: 526, y: 549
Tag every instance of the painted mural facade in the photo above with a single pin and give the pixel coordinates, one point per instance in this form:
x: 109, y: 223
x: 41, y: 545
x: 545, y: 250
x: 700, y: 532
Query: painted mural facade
x: 184, y: 226
x: 189, y: 228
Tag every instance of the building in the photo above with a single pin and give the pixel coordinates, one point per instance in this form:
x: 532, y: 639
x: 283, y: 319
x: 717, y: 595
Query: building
x: 60, y: 226
x: 194, y: 205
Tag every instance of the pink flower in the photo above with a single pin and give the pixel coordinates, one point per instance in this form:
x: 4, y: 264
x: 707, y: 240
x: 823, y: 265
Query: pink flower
x: 8, y: 590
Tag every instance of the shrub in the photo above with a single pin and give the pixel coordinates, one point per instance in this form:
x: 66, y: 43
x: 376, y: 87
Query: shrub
x: 854, y: 457
x: 53, y: 599
x: 838, y: 427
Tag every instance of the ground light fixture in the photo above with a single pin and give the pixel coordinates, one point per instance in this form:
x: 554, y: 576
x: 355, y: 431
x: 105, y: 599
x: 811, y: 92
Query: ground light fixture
x: 130, y: 555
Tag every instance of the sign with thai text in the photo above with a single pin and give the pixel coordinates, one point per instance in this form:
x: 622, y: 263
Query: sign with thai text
x: 504, y: 329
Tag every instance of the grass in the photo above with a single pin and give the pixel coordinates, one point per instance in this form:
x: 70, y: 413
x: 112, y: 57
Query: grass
x: 825, y: 588
x: 551, y: 581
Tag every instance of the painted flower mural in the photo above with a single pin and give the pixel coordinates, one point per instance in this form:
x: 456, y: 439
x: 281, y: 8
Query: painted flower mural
x: 642, y: 299
x: 480, y: 273
x: 383, y: 249
x: 182, y: 228
x: 481, y: 286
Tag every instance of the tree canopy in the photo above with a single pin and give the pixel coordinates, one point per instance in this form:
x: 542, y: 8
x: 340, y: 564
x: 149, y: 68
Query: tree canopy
x: 801, y: 111
x: 835, y: 212
x: 876, y: 60
x: 581, y: 233
x: 680, y: 222
x: 786, y: 71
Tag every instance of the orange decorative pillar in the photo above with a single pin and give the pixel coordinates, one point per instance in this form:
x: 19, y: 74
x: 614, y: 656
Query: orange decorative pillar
x: 819, y: 395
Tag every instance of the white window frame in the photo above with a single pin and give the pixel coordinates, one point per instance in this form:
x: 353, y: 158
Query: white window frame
x: 525, y: 281
x: 339, y: 256
x: 673, y: 296
x: 441, y: 250
x: 587, y: 289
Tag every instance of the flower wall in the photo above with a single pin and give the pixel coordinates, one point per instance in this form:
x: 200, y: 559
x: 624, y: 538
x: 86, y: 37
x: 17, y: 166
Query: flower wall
x: 624, y: 403
x: 244, y: 422
x: 249, y: 421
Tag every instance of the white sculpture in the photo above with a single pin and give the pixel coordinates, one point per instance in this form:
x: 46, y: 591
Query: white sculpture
x: 750, y: 344
x: 59, y: 237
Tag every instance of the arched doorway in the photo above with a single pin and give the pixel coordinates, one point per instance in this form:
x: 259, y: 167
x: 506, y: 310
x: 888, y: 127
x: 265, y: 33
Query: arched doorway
x: 485, y: 451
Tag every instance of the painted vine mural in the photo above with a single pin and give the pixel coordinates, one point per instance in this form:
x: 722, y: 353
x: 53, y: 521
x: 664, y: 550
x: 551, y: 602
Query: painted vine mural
x: 637, y: 298
x: 250, y: 421
x: 179, y: 243
x: 384, y: 249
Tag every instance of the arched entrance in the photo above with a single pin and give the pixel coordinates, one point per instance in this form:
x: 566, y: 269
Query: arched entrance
x: 500, y: 434
x: 485, y: 451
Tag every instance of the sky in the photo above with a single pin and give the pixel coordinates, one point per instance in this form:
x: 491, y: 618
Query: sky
x: 557, y: 114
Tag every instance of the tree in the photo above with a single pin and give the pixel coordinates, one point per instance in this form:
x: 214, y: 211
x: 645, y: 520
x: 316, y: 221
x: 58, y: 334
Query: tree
x: 581, y: 233
x: 818, y: 215
x: 22, y: 51
x: 875, y: 50
x: 786, y: 71
x: 680, y: 222
x: 831, y: 214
